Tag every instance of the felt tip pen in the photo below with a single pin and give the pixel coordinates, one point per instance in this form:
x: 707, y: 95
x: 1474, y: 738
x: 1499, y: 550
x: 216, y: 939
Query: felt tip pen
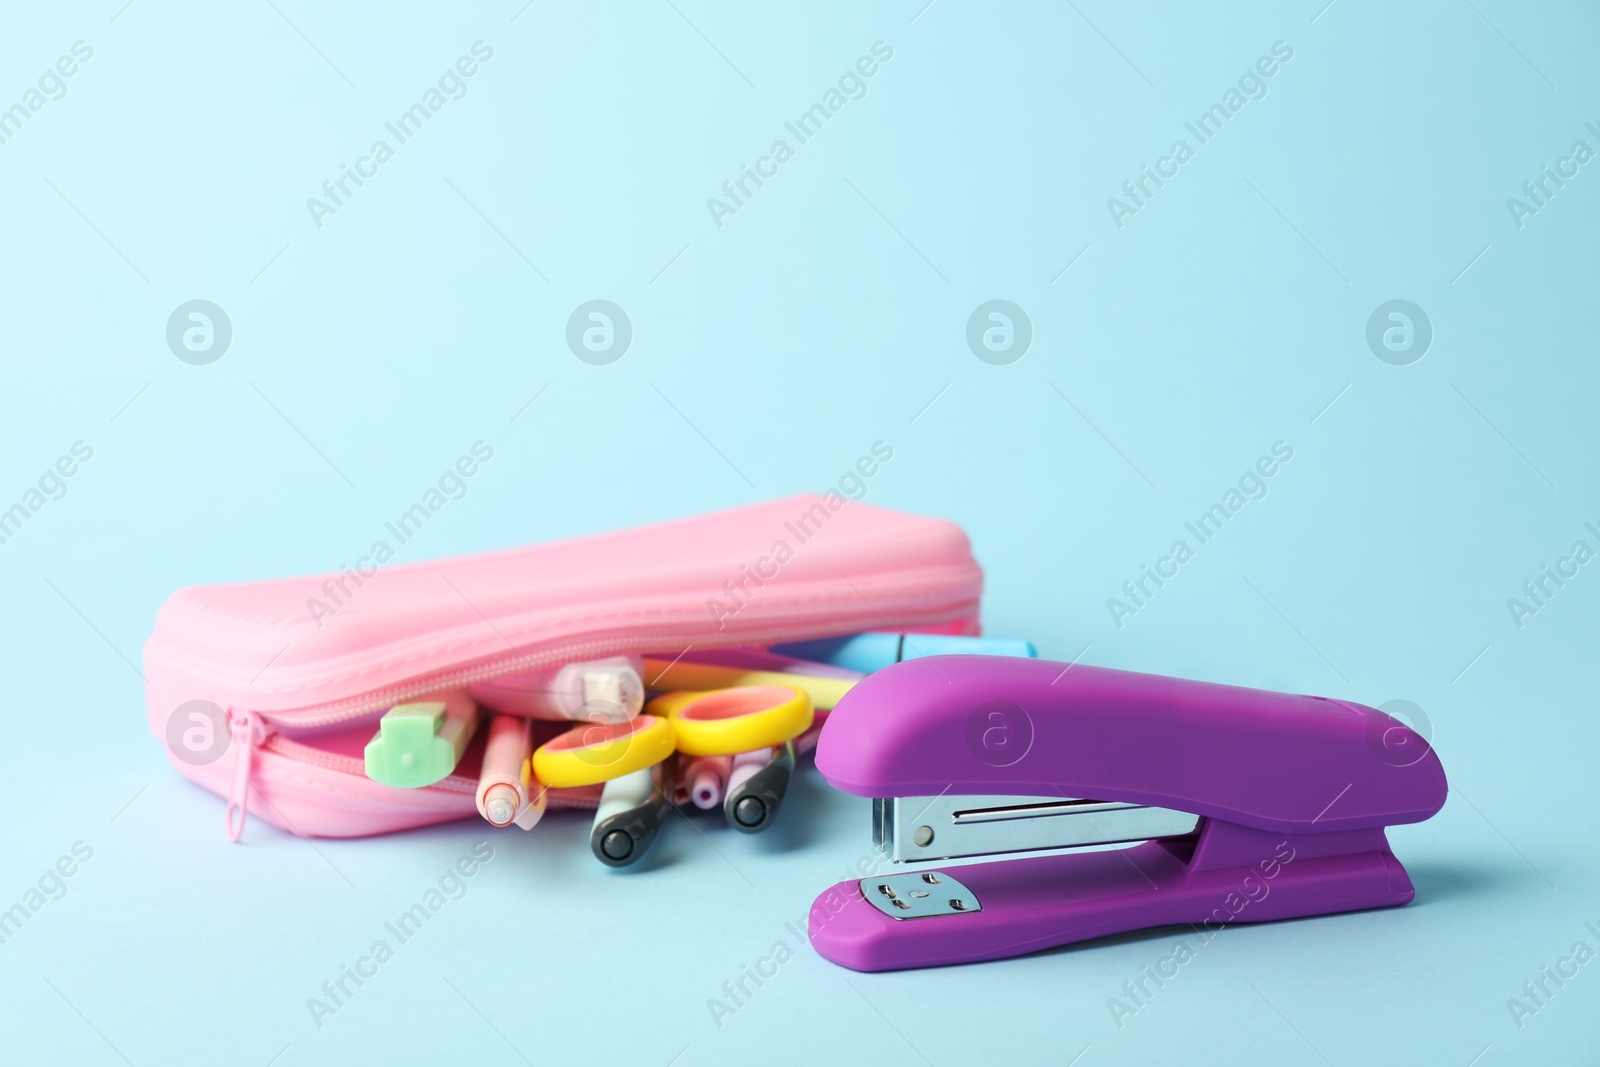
x: 873, y: 651
x: 706, y: 780
x: 507, y: 792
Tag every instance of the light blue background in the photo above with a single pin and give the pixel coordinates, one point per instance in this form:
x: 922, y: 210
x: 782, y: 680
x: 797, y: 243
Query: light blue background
x: 1228, y: 314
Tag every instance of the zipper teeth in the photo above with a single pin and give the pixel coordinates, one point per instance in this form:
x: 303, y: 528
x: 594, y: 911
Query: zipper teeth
x: 558, y: 799
x: 355, y: 707
x: 332, y: 761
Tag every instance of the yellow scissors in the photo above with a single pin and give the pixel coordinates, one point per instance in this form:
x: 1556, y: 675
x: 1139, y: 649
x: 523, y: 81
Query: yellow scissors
x: 627, y: 757
x: 743, y: 738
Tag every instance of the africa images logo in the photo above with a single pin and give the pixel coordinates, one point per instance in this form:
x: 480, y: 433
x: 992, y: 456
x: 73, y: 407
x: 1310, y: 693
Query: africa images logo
x: 1000, y: 732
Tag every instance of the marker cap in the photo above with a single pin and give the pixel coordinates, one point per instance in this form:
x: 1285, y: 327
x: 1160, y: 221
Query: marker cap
x: 418, y: 744
x: 873, y: 651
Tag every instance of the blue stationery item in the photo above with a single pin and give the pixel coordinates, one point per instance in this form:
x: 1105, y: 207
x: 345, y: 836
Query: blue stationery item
x: 873, y: 651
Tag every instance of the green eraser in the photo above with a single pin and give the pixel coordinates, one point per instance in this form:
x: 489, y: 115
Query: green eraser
x: 418, y: 744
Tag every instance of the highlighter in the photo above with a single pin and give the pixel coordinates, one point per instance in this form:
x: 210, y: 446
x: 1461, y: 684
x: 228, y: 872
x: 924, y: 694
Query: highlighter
x: 420, y: 743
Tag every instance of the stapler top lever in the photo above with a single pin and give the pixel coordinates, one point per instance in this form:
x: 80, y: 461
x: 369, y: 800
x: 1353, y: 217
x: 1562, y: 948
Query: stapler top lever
x: 1251, y: 805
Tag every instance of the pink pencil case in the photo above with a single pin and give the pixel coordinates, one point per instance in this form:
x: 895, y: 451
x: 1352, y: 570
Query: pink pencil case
x: 297, y: 671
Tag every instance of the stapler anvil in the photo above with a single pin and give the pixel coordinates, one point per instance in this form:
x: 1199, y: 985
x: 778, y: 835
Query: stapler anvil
x: 1251, y: 805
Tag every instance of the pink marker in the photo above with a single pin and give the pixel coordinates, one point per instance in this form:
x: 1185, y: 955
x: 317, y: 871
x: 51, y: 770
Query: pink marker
x: 507, y: 775
x: 706, y: 778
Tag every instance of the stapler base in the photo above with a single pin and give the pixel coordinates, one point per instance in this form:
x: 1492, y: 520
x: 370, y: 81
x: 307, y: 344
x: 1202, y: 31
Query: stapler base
x: 1220, y: 875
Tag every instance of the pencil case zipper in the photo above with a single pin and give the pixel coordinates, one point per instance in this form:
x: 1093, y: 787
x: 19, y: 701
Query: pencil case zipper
x: 263, y: 730
x: 255, y: 730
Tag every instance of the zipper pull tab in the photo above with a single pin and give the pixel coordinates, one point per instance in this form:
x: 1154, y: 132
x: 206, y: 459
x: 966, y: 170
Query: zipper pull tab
x: 246, y: 732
